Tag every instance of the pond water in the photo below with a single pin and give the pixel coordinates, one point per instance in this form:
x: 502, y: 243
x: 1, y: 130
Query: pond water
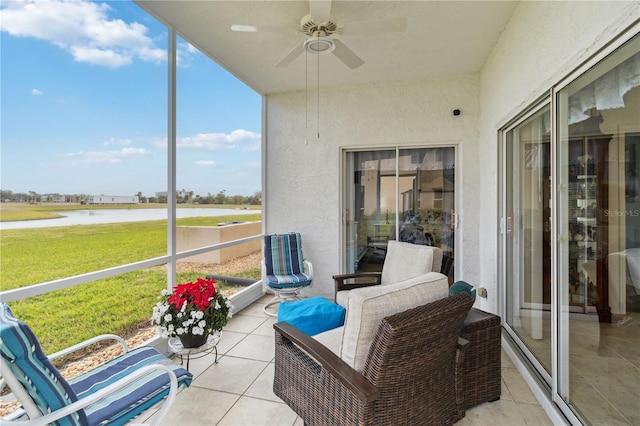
x: 94, y: 217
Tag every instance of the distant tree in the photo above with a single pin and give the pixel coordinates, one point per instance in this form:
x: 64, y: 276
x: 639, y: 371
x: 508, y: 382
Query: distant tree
x: 255, y: 199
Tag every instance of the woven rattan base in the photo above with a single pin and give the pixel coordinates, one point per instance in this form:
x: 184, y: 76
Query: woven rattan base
x: 481, y: 372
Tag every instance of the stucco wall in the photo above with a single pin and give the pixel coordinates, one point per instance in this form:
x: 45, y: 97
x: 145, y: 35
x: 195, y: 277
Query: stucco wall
x: 305, y: 197
x: 542, y: 44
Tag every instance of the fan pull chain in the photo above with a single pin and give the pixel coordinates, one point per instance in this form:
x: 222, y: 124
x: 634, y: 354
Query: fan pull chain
x: 306, y: 90
x: 318, y: 96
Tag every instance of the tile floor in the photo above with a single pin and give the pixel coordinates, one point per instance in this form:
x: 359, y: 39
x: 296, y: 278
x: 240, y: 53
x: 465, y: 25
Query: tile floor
x: 238, y: 389
x: 604, y: 360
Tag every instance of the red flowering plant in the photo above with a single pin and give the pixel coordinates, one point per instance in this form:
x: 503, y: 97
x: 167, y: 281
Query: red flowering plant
x: 195, y: 308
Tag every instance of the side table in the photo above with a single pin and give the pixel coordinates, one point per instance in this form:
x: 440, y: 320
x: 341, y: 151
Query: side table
x: 175, y: 346
x: 481, y: 365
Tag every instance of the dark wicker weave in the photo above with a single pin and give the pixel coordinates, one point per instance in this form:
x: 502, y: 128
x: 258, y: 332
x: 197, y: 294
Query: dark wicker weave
x: 481, y: 367
x: 409, y: 377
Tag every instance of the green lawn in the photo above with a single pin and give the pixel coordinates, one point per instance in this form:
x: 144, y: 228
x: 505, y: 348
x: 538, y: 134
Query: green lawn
x: 113, y: 305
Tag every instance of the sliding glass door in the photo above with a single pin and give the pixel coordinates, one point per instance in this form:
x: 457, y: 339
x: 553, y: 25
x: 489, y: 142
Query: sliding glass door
x: 398, y: 194
x: 527, y: 228
x: 570, y: 243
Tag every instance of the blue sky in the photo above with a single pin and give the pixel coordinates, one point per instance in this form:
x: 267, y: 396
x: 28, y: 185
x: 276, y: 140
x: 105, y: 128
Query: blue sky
x: 83, y: 89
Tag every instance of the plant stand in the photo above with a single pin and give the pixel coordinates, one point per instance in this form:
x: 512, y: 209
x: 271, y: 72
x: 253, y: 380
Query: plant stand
x: 175, y: 346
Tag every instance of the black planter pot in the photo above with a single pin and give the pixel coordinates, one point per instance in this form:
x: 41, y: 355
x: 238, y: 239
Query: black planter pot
x: 193, y: 340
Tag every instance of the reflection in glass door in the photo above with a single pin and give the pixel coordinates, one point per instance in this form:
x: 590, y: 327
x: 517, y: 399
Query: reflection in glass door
x: 570, y: 243
x: 528, y: 234
x: 400, y: 194
x: 598, y: 156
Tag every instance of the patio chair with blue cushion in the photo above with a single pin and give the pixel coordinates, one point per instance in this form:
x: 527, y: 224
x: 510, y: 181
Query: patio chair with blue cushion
x: 113, y: 393
x: 286, y: 270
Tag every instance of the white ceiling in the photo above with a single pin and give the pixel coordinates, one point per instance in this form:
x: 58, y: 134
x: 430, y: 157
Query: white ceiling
x: 442, y: 38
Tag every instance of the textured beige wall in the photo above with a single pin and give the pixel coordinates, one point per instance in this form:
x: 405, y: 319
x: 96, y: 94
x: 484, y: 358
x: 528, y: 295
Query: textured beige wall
x: 302, y: 187
x: 542, y: 44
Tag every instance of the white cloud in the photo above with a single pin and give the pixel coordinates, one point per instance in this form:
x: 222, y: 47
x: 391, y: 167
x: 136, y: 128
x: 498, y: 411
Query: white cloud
x: 116, y: 141
x: 110, y: 157
x: 37, y: 92
x: 83, y: 29
x: 216, y: 141
x: 205, y: 163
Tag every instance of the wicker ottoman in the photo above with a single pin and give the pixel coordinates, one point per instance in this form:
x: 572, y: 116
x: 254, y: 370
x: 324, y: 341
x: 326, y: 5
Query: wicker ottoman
x: 481, y: 379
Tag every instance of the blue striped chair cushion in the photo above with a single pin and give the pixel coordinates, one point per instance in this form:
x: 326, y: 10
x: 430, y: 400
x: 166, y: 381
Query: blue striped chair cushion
x: 48, y: 389
x: 132, y: 400
x: 284, y: 262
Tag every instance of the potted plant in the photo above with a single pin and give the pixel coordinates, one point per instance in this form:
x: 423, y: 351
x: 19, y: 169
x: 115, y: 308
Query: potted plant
x: 192, y: 312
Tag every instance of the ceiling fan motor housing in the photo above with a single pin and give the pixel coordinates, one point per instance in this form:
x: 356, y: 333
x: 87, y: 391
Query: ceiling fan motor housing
x: 309, y: 27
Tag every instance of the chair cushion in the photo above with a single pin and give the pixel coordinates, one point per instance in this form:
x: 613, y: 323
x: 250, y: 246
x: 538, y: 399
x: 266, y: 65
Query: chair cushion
x: 342, y: 298
x: 313, y: 315
x: 131, y: 400
x: 288, y: 281
x: 283, y: 261
x: 405, y: 260
x: 368, y: 305
x: 331, y: 339
x: 283, y: 254
x: 46, y: 386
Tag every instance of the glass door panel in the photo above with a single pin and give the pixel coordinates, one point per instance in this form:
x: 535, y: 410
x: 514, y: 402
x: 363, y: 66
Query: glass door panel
x: 411, y: 187
x: 370, y: 214
x: 528, y: 235
x: 599, y: 242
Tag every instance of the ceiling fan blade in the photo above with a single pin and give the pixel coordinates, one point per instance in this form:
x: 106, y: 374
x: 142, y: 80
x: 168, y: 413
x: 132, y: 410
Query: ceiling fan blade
x: 261, y: 29
x: 391, y: 25
x: 291, y: 56
x: 346, y: 55
x: 320, y: 10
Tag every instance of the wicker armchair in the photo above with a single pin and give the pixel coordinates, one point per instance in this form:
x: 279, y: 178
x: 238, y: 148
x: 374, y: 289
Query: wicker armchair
x: 409, y: 377
x: 403, y: 261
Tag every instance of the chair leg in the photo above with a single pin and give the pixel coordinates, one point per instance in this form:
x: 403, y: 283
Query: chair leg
x: 280, y: 297
x: 274, y: 301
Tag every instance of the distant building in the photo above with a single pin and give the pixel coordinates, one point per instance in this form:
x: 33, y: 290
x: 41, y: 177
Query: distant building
x: 113, y: 199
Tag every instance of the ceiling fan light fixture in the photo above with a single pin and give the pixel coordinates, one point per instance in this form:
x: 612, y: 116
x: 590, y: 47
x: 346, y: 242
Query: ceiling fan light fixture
x: 318, y: 45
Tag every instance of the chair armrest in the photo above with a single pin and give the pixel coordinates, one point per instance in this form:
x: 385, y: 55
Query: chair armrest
x: 361, y: 279
x: 308, y: 268
x: 90, y: 342
x: 106, y: 392
x: 362, y: 388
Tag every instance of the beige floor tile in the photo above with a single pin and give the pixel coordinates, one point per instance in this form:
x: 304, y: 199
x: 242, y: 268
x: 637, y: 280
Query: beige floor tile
x: 266, y: 329
x: 594, y: 406
x: 250, y: 411
x: 211, y: 405
x: 518, y: 388
x: 505, y: 361
x: 228, y: 340
x: 256, y: 310
x: 230, y: 374
x: 255, y: 347
x: 493, y: 413
x: 505, y: 393
x: 262, y: 388
x: 533, y: 414
x: 244, y: 323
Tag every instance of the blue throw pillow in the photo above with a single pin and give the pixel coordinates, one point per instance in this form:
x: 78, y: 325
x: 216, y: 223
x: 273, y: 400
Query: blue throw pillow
x: 460, y: 286
x: 313, y: 315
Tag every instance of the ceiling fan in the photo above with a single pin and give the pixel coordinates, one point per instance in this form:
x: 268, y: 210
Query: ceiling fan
x: 320, y: 29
